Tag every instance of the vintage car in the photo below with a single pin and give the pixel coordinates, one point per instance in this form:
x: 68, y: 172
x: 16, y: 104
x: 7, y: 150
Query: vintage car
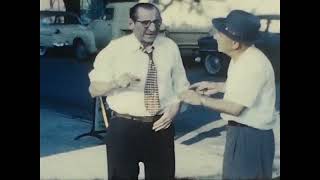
x: 216, y: 63
x: 64, y: 29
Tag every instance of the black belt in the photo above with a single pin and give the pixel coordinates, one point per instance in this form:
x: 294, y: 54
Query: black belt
x: 137, y: 118
x: 234, y: 123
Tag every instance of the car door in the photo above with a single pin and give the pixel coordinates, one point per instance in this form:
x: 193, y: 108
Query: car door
x: 67, y: 28
x: 47, y: 32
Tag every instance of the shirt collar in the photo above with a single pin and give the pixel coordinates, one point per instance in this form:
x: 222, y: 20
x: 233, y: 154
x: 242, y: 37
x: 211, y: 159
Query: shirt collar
x: 136, y: 45
x: 247, y: 51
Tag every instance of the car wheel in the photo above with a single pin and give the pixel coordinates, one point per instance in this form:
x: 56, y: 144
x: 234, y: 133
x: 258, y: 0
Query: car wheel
x: 212, y: 64
x: 80, y: 50
x: 43, y: 50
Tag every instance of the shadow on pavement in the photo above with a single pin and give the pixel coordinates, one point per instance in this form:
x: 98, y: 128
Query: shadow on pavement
x: 58, y: 131
x: 212, y: 133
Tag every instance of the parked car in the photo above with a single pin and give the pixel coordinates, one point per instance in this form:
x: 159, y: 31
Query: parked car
x: 216, y: 63
x: 64, y: 29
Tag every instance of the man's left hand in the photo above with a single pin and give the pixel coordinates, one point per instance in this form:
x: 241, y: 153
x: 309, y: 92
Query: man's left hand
x: 165, y: 121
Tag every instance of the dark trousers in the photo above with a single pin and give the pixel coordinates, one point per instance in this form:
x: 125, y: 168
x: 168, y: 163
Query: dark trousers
x: 130, y: 142
x: 249, y: 154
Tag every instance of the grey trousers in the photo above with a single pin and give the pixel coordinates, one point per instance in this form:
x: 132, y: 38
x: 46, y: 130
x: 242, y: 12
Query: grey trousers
x: 249, y: 153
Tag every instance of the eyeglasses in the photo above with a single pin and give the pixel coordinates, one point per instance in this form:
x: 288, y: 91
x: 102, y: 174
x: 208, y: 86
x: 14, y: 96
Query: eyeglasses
x: 147, y: 23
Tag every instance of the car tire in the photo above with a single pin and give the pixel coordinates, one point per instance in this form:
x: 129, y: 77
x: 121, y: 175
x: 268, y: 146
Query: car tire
x: 43, y: 51
x: 80, y: 50
x: 212, y: 64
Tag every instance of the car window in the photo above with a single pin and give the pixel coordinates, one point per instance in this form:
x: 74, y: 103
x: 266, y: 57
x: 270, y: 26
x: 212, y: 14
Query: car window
x: 47, y: 20
x: 108, y: 14
x: 69, y: 19
x: 59, y: 20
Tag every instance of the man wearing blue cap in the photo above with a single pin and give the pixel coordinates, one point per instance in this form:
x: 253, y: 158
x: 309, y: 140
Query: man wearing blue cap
x: 249, y: 98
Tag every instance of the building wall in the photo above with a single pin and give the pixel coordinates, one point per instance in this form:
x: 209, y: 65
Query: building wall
x: 190, y: 16
x: 187, y: 14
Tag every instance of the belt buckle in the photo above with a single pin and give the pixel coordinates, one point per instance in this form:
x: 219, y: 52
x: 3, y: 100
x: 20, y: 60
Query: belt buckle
x: 147, y: 119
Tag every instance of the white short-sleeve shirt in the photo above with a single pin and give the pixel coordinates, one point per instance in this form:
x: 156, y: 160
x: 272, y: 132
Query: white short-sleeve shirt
x: 124, y: 55
x: 251, y: 83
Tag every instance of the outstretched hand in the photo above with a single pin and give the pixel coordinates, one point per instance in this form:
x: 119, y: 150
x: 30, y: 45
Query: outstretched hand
x: 206, y: 88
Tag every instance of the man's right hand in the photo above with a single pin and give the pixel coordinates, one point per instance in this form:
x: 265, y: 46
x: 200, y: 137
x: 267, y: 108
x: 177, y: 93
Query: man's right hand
x: 126, y: 79
x: 208, y: 88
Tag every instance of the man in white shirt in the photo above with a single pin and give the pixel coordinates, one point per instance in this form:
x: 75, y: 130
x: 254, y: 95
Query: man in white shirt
x: 249, y: 98
x: 142, y: 75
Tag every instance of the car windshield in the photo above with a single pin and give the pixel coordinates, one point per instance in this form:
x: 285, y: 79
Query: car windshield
x: 58, y: 19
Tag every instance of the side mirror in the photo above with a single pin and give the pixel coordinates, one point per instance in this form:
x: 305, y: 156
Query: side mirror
x: 108, y: 14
